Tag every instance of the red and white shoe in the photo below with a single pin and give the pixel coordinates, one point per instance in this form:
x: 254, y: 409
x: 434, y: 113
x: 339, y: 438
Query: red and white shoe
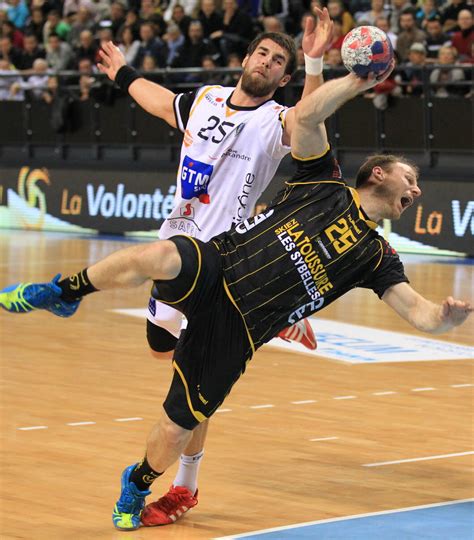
x: 301, y: 332
x: 170, y: 507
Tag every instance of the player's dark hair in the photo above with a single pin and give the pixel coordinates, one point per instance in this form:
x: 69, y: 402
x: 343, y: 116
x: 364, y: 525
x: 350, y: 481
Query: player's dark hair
x: 385, y: 161
x: 286, y: 42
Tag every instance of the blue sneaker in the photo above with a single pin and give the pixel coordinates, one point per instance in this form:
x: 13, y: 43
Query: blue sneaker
x: 26, y: 297
x: 128, y: 509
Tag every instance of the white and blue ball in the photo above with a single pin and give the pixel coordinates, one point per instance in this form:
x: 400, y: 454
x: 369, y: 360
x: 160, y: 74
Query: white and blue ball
x: 365, y: 50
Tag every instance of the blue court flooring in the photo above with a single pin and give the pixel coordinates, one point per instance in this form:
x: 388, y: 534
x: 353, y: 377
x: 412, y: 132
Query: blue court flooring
x: 443, y: 521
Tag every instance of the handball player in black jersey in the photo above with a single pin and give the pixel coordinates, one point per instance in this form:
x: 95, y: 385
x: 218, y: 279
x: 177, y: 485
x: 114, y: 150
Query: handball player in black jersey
x: 315, y: 242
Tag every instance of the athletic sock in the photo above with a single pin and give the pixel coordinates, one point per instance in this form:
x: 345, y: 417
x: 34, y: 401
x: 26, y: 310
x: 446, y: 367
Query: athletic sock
x: 143, y: 475
x: 188, y: 470
x: 76, y: 286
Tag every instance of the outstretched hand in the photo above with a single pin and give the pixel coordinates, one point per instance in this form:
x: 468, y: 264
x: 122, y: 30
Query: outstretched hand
x: 372, y: 79
x: 317, y: 34
x: 112, y: 60
x: 455, y: 312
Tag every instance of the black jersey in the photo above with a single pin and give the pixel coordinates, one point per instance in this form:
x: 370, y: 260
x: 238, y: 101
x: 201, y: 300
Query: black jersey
x: 312, y: 245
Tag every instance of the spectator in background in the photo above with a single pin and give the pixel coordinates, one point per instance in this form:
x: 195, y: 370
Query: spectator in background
x: 85, y: 88
x: 383, y: 24
x: 445, y: 78
x: 150, y: 13
x: 36, y: 24
x: 73, y: 6
x: 132, y: 21
x: 55, y: 25
x: 209, y: 75
x: 299, y: 37
x: 88, y: 86
x: 195, y: 48
x: 151, y: 45
x: 148, y: 64
x: 369, y: 17
x: 238, y: 30
x: 337, y: 10
x: 427, y: 10
x: 83, y: 21
x: 408, y: 35
x: 333, y: 58
x: 100, y: 8
x: 87, y: 48
x: 296, y: 10
x: 210, y: 17
x: 129, y: 45
x: 337, y: 35
x: 6, y: 83
x: 174, y: 40
x: 86, y: 67
x: 449, y: 15
x: 275, y: 8
x: 115, y: 20
x: 58, y: 53
x: 36, y: 84
x: 18, y: 13
x: 10, y: 53
x: 462, y: 39
x: 31, y: 52
x: 188, y: 7
x: 8, y: 29
x: 397, y: 7
x: 435, y: 38
x: 411, y: 74
x: 272, y: 24
x: 299, y: 74
x: 234, y: 61
x: 180, y: 18
x: 104, y: 35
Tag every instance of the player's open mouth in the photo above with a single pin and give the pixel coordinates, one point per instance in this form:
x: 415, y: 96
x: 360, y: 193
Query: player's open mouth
x: 406, y: 202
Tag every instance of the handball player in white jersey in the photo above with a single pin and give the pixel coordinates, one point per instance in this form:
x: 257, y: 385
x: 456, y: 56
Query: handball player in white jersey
x: 233, y: 141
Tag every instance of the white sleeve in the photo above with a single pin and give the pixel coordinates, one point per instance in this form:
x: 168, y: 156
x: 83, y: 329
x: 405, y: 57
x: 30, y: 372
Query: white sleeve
x: 271, y: 133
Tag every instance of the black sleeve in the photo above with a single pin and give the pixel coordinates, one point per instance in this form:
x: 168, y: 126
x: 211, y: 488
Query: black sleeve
x: 182, y: 105
x: 388, y: 272
x: 323, y: 167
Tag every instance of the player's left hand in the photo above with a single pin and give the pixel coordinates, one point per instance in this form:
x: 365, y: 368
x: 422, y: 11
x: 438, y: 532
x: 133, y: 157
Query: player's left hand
x: 455, y: 312
x: 317, y: 35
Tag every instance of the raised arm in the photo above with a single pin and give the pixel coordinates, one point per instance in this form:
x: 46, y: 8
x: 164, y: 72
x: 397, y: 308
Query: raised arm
x: 424, y: 315
x: 308, y: 137
x: 152, y: 97
x: 316, y: 39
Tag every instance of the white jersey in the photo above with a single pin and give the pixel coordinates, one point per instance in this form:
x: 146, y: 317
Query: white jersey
x: 228, y: 157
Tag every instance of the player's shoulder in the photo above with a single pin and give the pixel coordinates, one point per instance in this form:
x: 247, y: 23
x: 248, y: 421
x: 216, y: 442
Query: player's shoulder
x: 318, y: 168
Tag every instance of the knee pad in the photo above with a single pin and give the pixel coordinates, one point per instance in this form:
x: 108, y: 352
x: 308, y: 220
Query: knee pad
x: 159, y: 339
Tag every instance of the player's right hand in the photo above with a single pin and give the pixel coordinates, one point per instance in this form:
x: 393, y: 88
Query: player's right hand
x: 112, y: 60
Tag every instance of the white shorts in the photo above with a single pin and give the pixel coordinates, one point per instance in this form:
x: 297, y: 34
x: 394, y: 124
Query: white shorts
x: 165, y: 317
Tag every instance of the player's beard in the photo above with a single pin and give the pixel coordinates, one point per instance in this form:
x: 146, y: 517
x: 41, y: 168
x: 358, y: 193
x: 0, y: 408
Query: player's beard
x: 257, y: 86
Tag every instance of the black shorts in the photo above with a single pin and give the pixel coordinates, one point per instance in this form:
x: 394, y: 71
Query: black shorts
x: 212, y: 352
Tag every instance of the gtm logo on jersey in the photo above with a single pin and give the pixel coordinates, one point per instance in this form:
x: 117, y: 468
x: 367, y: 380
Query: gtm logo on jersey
x: 195, y: 177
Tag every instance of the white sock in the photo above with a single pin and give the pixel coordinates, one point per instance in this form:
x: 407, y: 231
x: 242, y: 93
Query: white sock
x: 188, y: 470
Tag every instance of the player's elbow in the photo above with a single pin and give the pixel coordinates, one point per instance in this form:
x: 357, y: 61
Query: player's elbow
x: 306, y: 114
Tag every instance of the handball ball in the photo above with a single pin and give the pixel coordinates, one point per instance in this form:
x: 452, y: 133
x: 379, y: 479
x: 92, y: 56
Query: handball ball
x: 365, y: 50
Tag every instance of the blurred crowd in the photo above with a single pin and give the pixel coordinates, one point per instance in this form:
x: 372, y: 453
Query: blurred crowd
x: 41, y: 37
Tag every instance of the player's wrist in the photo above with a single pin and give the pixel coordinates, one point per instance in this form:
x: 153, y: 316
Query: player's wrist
x: 313, y: 66
x: 125, y: 76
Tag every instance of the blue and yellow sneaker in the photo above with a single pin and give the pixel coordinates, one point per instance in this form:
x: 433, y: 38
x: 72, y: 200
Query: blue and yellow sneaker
x: 128, y: 509
x: 26, y: 297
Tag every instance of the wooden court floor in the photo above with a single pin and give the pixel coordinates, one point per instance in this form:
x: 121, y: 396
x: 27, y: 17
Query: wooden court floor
x: 92, y: 386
